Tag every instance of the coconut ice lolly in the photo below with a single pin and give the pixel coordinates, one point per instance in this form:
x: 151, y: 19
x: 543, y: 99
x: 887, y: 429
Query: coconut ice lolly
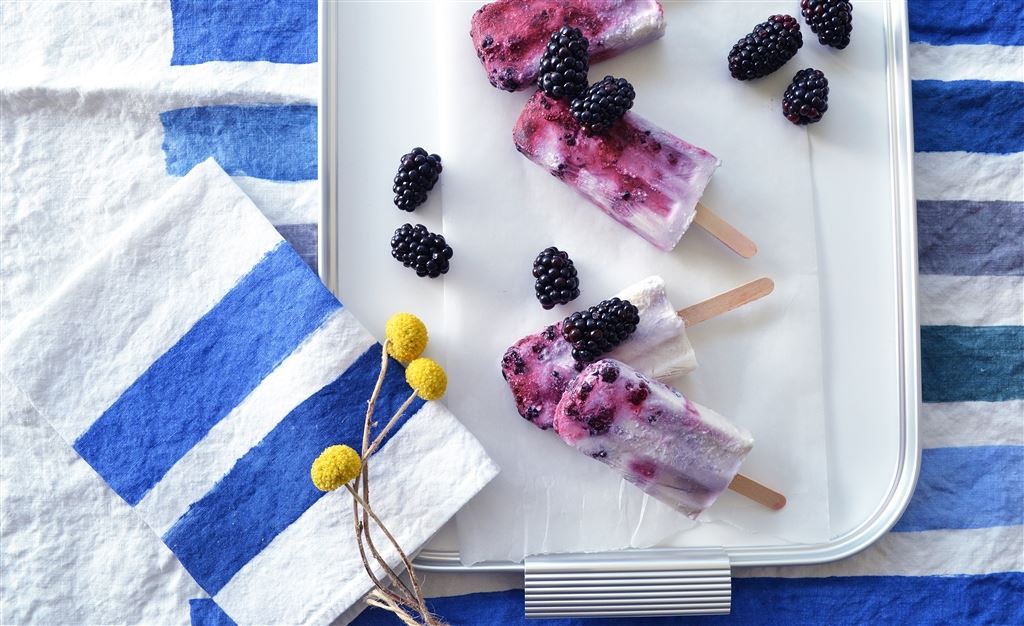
x: 539, y: 367
x: 672, y: 448
x: 510, y: 35
x: 644, y: 177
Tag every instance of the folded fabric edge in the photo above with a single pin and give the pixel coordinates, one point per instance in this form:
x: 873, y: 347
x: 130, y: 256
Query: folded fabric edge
x: 22, y: 324
x: 151, y: 257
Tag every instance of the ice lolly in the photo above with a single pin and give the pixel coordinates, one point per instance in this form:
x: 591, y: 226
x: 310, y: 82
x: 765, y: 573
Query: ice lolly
x: 645, y: 178
x: 539, y: 367
x: 510, y: 35
x: 676, y: 450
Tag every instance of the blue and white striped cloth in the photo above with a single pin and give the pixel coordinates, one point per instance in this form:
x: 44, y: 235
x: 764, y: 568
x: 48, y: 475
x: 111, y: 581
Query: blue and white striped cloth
x: 105, y: 104
x: 199, y: 366
x: 957, y: 555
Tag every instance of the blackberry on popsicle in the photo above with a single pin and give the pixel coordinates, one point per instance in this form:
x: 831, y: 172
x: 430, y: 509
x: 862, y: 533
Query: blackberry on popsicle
x: 511, y: 36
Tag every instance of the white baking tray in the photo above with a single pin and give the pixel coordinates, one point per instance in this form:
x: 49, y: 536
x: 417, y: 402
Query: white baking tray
x: 379, y: 99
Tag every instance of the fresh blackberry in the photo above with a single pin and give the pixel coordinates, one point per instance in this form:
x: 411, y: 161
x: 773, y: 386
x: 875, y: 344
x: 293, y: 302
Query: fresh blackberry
x: 830, y: 20
x: 417, y: 174
x: 422, y: 250
x: 806, y: 98
x: 556, y: 278
x: 604, y: 103
x: 563, y: 68
x: 599, y: 329
x: 766, y: 48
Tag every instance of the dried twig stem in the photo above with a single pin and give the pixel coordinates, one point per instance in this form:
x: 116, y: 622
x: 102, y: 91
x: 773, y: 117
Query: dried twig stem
x: 390, y: 600
x: 380, y: 586
x: 395, y: 544
x: 391, y: 423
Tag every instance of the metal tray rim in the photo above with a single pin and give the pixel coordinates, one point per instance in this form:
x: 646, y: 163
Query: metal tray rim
x: 904, y: 478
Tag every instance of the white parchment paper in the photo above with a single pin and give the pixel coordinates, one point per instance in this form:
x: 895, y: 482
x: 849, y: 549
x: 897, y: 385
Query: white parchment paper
x: 760, y: 366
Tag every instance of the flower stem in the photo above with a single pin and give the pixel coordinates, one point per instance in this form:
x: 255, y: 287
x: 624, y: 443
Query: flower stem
x: 364, y: 474
x: 371, y: 405
x: 408, y: 597
x: 377, y: 583
x: 417, y: 591
x: 387, y: 427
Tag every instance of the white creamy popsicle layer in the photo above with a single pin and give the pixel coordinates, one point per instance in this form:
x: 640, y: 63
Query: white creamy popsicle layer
x: 539, y: 367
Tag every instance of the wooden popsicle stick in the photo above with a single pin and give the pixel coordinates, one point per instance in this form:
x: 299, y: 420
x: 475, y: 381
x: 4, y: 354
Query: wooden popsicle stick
x: 725, y: 302
x: 757, y: 492
x: 724, y: 232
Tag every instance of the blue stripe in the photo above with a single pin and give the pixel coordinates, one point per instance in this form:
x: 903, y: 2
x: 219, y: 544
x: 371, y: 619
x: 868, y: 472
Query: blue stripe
x: 264, y: 141
x: 948, y: 22
x: 206, y: 612
x: 967, y: 238
x: 968, y: 115
x: 973, y: 487
x: 269, y: 487
x: 216, y: 364
x: 961, y: 363
x: 303, y: 238
x: 987, y: 599
x: 281, y: 31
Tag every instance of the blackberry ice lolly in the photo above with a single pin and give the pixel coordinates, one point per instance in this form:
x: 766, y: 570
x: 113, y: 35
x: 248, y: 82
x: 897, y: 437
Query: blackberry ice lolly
x: 675, y: 450
x: 510, y: 35
x: 539, y: 367
x: 645, y: 178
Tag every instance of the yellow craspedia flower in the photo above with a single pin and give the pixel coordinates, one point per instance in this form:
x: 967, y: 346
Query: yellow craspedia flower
x: 407, y: 336
x: 334, y: 467
x: 427, y: 378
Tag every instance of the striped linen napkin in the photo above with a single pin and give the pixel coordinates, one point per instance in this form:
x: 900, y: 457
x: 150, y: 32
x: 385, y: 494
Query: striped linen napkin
x: 199, y: 366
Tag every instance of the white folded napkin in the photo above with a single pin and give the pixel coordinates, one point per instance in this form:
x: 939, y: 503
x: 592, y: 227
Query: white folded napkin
x: 199, y: 366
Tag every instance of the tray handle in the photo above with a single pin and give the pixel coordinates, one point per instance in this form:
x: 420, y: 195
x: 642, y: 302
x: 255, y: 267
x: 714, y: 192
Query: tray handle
x: 629, y: 583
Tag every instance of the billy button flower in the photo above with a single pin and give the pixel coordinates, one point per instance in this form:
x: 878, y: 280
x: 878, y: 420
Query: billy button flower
x: 427, y: 379
x: 406, y: 336
x: 339, y: 466
x: 336, y: 466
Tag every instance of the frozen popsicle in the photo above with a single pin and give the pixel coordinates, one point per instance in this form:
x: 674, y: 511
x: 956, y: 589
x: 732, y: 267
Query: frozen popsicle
x: 676, y: 450
x: 510, y: 35
x: 539, y: 367
x: 644, y: 177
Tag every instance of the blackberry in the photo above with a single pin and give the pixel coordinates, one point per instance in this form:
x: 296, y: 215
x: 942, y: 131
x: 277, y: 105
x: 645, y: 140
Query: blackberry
x: 830, y: 20
x: 766, y: 48
x: 563, y: 68
x: 806, y: 98
x: 417, y: 174
x: 556, y: 278
x: 604, y: 103
x: 599, y: 329
x: 422, y: 250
